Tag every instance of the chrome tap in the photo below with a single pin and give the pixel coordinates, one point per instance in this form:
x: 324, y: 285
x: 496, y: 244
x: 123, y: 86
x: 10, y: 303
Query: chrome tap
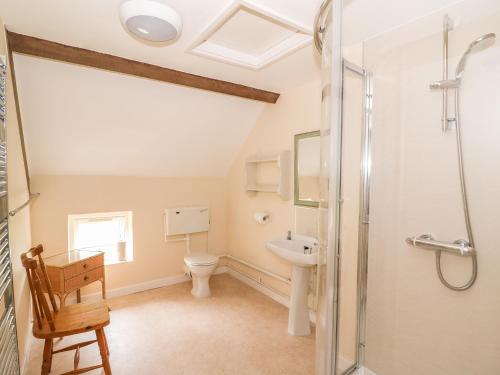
x: 289, y: 235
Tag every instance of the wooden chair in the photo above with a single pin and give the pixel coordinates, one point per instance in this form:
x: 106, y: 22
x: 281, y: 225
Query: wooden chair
x: 61, y: 322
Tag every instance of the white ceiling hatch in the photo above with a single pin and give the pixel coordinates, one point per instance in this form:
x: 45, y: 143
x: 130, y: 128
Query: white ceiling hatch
x: 249, y: 35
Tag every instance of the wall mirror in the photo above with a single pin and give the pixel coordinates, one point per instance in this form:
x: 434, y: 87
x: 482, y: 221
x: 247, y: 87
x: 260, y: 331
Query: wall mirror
x: 307, y: 169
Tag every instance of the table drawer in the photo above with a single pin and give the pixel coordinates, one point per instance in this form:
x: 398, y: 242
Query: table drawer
x: 84, y: 279
x: 83, y: 266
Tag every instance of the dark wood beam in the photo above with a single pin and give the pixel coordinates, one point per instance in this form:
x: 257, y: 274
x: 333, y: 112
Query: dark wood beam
x: 29, y: 45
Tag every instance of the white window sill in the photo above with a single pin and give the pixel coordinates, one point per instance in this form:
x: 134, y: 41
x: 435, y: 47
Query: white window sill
x: 115, y: 262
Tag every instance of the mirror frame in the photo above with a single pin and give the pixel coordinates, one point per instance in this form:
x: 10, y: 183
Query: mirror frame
x: 297, y: 139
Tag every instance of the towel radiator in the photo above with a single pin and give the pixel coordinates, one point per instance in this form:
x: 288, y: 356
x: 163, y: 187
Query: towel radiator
x: 9, y: 357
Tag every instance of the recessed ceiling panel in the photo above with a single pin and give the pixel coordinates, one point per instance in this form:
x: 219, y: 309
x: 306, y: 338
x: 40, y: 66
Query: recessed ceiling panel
x: 251, y: 36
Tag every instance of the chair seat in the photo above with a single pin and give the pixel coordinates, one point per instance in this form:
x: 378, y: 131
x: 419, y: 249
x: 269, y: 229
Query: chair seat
x: 74, y: 319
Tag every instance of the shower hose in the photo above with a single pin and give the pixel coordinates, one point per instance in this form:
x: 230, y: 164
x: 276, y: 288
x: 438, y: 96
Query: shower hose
x: 465, y: 202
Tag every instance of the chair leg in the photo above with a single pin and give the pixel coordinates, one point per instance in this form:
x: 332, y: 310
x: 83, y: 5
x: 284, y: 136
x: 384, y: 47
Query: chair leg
x: 101, y: 340
x: 47, y: 357
x: 51, y: 354
x: 105, y: 341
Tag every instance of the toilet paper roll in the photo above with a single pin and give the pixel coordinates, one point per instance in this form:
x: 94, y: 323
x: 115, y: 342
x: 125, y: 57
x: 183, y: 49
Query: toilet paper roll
x: 261, y: 217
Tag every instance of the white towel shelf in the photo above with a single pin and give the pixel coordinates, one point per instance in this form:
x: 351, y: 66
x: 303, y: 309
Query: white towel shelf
x: 280, y: 184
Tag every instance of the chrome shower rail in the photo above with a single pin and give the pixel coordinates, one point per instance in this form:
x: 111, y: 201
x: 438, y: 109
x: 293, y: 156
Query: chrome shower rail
x: 319, y: 25
x: 426, y: 241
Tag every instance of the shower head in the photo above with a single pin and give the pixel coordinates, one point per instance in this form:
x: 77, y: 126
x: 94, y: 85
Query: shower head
x: 480, y: 43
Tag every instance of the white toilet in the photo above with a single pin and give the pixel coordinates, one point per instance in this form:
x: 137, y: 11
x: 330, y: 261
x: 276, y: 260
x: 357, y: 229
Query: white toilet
x: 201, y: 266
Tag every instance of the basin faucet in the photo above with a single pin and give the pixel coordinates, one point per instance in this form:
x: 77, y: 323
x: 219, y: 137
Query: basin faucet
x: 289, y: 235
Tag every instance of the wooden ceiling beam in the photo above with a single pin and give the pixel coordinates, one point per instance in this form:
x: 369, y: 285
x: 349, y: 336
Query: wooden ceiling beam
x: 32, y: 46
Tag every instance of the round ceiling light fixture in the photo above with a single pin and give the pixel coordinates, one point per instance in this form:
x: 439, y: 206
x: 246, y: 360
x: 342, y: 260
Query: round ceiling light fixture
x: 151, y: 20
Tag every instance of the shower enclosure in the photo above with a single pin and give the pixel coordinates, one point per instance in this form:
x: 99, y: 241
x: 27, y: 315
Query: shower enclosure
x: 409, y: 257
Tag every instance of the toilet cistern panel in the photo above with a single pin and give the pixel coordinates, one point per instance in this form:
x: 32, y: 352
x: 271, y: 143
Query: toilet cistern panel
x: 185, y: 220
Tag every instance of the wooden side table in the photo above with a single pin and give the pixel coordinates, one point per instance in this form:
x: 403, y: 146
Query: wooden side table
x: 72, y: 270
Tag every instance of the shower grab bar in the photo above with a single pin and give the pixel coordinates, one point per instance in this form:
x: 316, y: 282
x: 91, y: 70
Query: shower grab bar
x: 426, y: 241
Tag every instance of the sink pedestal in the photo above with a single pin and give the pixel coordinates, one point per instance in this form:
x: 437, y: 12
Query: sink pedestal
x: 298, y: 316
x: 302, y: 252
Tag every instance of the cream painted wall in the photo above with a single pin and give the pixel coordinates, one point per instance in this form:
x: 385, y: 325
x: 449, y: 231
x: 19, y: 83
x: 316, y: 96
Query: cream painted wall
x: 414, y: 324
x: 19, y: 225
x: 233, y: 229
x: 146, y: 197
x: 297, y: 111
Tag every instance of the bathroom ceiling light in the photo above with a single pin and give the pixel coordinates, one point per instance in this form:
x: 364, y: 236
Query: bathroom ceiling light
x: 150, y: 20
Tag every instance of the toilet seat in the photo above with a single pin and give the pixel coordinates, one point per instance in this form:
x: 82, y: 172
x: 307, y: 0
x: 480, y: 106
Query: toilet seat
x: 201, y: 260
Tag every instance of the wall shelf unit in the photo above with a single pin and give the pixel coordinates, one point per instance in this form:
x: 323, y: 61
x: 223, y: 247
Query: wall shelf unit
x: 277, y: 179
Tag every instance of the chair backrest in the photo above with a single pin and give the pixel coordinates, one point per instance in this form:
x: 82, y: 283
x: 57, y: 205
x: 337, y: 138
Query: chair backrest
x: 39, y: 283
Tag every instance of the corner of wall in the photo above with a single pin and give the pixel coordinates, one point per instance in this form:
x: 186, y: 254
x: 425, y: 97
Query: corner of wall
x: 19, y: 225
x: 298, y: 110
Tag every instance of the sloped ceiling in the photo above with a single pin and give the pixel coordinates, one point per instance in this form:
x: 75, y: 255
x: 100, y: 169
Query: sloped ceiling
x: 86, y: 121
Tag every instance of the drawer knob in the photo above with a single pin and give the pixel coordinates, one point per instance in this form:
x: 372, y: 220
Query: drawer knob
x: 85, y: 265
x: 85, y: 278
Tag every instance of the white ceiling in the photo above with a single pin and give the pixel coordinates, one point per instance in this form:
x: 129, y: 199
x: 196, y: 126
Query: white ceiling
x: 95, y: 25
x: 85, y: 121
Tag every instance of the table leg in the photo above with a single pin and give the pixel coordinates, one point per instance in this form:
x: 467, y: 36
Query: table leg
x: 103, y: 282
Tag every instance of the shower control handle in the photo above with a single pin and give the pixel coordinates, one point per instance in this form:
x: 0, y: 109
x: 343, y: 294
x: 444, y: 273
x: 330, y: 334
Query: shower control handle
x: 426, y: 241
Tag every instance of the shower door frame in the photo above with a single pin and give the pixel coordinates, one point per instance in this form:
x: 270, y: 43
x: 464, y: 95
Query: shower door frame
x: 327, y: 351
x: 364, y: 215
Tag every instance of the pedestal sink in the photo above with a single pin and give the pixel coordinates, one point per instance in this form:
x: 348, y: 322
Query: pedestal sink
x: 302, y: 252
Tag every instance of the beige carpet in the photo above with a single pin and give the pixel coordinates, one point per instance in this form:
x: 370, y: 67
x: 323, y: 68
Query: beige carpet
x: 168, y: 332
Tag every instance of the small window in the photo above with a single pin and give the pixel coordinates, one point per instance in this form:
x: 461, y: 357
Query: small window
x: 110, y: 232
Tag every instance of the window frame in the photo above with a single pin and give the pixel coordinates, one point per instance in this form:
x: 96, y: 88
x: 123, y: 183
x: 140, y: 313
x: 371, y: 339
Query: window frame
x: 127, y: 215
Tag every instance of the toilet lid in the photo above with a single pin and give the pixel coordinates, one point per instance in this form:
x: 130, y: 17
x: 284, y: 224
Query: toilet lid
x: 201, y: 259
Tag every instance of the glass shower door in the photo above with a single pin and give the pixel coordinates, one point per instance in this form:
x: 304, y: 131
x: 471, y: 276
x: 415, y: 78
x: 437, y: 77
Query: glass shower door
x: 343, y: 206
x: 328, y: 42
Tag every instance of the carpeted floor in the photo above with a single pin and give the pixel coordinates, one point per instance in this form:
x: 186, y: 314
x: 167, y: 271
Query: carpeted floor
x: 237, y: 331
